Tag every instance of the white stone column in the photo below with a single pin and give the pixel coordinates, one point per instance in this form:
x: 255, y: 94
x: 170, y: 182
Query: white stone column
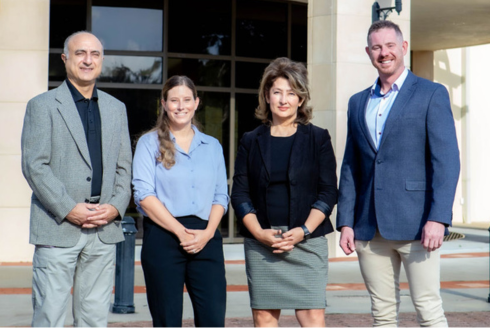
x: 24, y: 45
x: 339, y: 67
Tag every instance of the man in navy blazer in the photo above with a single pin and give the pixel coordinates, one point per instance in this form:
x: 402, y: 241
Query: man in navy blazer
x: 398, y: 180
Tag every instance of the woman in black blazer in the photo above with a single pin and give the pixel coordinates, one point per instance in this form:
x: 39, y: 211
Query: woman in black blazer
x: 284, y: 189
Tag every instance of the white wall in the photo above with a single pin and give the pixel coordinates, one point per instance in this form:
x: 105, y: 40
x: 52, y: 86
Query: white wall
x: 24, y: 33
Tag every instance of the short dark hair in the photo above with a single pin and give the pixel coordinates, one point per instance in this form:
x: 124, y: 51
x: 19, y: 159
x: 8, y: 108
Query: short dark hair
x: 297, y: 76
x: 381, y: 24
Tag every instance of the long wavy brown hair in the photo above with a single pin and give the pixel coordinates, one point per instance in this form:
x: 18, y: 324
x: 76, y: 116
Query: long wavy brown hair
x: 167, y: 148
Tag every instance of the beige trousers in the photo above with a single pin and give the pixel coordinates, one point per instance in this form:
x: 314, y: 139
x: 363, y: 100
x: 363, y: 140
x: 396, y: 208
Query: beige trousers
x: 88, y: 267
x: 380, y: 261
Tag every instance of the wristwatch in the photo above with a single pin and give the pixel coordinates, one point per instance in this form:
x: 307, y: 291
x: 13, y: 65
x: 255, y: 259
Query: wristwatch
x: 306, y: 231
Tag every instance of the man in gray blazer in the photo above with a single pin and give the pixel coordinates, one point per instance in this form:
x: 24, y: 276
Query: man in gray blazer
x: 76, y: 157
x: 398, y: 180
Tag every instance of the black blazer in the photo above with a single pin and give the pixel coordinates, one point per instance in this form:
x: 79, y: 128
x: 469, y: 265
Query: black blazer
x: 312, y: 177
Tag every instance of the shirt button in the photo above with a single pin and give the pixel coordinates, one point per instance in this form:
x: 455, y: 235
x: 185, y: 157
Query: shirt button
x: 89, y: 178
x: 379, y: 133
x: 380, y: 114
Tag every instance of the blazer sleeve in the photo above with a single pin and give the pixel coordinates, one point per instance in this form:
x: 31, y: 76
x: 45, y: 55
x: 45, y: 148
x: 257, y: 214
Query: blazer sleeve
x: 122, y: 185
x: 327, y: 184
x: 240, y: 194
x: 444, y: 156
x: 348, y: 177
x: 36, y: 146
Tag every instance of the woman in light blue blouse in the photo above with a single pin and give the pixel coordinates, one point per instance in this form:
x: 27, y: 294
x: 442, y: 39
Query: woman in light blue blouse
x: 179, y: 182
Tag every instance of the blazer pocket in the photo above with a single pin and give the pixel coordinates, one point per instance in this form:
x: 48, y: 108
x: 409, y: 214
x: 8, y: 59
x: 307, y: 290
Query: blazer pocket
x: 414, y: 185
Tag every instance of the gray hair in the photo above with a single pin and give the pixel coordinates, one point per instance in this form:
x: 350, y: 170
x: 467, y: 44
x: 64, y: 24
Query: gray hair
x: 68, y: 39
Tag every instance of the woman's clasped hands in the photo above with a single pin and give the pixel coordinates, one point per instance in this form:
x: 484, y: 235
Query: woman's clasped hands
x: 281, y: 242
x: 193, y: 241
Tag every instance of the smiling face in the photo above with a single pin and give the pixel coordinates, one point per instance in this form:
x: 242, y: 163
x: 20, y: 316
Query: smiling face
x: 283, y: 101
x: 84, y: 61
x: 180, y: 106
x: 386, y: 50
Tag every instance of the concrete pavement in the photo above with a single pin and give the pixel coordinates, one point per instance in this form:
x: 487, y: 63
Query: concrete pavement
x: 464, y: 282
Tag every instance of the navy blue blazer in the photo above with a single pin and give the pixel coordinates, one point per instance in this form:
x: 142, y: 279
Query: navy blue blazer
x: 412, y: 178
x: 312, y: 177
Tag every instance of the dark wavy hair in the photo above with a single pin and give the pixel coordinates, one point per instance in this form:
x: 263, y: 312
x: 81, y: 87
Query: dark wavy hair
x: 297, y: 76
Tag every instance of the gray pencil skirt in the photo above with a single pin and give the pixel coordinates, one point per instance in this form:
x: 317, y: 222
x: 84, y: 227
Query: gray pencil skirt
x: 292, y: 280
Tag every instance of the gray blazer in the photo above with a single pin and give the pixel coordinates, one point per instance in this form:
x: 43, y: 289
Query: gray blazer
x: 56, y: 164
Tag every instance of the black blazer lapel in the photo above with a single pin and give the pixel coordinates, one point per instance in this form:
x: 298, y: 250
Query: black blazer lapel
x: 400, y: 103
x: 300, y: 144
x: 264, y: 141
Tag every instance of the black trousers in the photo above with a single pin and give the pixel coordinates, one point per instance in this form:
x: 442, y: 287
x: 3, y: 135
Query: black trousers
x: 167, y: 267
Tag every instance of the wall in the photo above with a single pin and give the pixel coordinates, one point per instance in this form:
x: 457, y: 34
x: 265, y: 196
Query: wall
x: 24, y: 41
x: 464, y: 71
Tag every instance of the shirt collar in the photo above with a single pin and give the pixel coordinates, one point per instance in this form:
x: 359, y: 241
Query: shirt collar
x: 376, y: 88
x: 198, y: 136
x: 77, y: 96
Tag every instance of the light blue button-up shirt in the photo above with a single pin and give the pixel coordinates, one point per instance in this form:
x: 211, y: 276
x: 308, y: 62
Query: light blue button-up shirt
x: 379, y: 107
x: 190, y: 187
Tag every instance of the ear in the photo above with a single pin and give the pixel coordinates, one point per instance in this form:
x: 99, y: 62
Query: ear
x: 197, y: 103
x: 63, y: 58
x: 163, y: 104
x: 405, y: 47
x: 367, y: 51
x: 267, y: 97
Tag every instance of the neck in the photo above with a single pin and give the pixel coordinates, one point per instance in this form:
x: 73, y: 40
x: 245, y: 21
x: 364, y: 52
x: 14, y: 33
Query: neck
x: 283, y: 130
x: 181, y: 131
x: 85, y: 90
x: 387, y: 81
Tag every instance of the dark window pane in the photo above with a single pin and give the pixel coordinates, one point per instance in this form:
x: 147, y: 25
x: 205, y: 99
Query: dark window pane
x: 261, y: 29
x: 214, y: 116
x: 204, y: 72
x: 248, y: 75
x: 57, y: 70
x: 200, y: 27
x: 132, y: 69
x: 245, y: 115
x: 142, y: 107
x: 66, y: 17
x: 299, y: 32
x: 120, y: 26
